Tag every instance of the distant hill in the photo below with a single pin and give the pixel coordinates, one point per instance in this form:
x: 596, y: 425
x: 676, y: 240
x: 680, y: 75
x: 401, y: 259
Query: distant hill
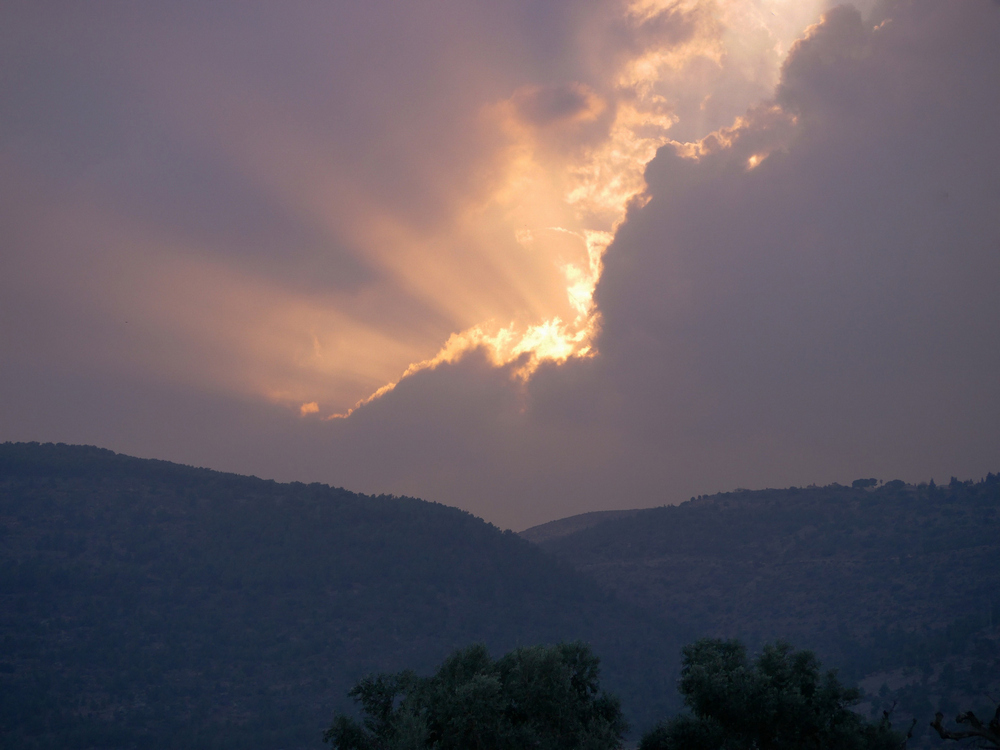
x: 898, y: 585
x: 147, y: 604
x: 547, y: 532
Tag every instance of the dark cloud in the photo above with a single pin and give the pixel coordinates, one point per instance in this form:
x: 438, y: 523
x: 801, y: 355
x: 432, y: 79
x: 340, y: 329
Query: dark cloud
x: 835, y: 302
x: 842, y: 279
x: 541, y: 106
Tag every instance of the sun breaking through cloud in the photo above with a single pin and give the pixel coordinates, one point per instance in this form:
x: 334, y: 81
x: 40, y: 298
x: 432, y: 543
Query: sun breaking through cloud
x: 575, y: 155
x: 568, y: 255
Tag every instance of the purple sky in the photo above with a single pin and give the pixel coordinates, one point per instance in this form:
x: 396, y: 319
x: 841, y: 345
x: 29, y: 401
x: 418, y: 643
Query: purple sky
x: 550, y: 257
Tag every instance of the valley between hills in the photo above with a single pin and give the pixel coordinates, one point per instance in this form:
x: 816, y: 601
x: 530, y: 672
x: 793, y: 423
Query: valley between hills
x: 148, y: 604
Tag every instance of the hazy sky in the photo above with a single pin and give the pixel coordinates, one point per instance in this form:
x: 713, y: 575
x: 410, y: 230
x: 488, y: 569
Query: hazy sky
x: 527, y: 257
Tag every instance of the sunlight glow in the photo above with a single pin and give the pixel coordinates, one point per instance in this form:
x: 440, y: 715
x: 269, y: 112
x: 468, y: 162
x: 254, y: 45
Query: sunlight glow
x: 572, y: 165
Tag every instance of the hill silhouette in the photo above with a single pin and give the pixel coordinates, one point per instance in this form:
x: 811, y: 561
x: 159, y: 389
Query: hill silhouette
x: 147, y: 604
x: 896, y: 585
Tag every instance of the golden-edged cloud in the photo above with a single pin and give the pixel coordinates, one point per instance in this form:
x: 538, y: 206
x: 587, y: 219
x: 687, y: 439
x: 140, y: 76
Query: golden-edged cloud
x: 572, y: 162
x: 406, y: 223
x: 221, y: 232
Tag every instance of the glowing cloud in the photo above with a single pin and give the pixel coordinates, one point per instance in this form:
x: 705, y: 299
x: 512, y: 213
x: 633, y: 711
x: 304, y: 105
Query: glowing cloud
x: 313, y: 234
x: 576, y: 154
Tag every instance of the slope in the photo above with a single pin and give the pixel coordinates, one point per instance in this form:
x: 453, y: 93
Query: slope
x: 147, y: 604
x: 897, y: 584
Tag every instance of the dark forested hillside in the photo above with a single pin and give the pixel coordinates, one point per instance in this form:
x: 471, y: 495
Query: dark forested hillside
x: 897, y: 585
x: 146, y: 604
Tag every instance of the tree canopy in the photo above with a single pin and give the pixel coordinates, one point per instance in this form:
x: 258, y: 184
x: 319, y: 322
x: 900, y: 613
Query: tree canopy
x: 544, y: 697
x: 782, y: 700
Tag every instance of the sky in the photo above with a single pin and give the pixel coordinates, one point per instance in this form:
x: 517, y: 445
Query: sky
x: 528, y: 258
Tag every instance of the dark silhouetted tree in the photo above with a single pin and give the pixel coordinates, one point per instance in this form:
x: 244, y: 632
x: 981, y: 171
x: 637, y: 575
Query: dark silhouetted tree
x: 780, y: 701
x: 982, y: 735
x: 544, y: 697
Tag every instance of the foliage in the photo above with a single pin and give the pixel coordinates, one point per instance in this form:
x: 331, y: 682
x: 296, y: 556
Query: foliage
x: 780, y: 701
x: 148, y: 604
x: 541, y: 697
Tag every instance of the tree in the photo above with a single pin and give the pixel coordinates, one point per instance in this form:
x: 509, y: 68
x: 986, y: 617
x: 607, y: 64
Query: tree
x: 544, y: 697
x: 780, y: 701
x: 984, y: 735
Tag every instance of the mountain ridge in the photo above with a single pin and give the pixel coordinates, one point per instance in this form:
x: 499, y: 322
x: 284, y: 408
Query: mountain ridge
x: 149, y: 603
x: 893, y: 584
x: 145, y: 603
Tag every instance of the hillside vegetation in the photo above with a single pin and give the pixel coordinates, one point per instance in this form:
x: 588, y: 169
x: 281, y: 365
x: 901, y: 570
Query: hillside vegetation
x: 897, y: 585
x: 146, y: 604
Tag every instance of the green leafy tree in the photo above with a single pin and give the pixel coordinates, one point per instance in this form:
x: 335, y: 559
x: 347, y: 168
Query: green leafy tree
x: 544, y: 697
x: 780, y: 701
